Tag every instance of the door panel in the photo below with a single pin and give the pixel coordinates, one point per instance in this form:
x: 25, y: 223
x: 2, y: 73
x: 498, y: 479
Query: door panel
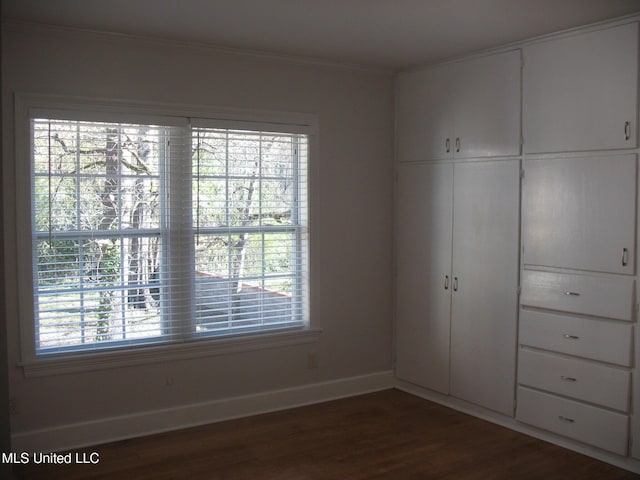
x: 424, y: 115
x: 485, y: 263
x: 487, y: 106
x: 579, y: 92
x: 580, y: 213
x: 424, y: 264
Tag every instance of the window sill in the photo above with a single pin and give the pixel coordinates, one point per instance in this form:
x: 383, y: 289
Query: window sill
x: 59, y: 365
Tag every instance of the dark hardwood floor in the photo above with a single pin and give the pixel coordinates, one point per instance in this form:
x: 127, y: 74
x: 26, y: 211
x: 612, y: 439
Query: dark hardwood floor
x: 383, y: 435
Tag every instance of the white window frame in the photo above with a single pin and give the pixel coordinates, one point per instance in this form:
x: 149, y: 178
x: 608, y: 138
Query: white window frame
x: 28, y: 106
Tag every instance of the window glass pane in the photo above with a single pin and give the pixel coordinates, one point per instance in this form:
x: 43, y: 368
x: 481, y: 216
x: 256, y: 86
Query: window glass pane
x: 248, y: 272
x: 93, y: 285
x: 97, y: 290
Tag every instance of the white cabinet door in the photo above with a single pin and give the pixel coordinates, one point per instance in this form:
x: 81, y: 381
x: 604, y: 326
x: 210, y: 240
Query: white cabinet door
x: 424, y: 264
x: 580, y: 92
x: 462, y: 110
x: 486, y: 104
x: 424, y: 115
x: 485, y: 271
x: 580, y: 213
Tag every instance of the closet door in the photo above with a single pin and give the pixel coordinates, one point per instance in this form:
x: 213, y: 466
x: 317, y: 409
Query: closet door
x: 580, y: 92
x: 487, y: 106
x: 580, y: 213
x: 424, y: 115
x: 485, y: 282
x: 424, y: 278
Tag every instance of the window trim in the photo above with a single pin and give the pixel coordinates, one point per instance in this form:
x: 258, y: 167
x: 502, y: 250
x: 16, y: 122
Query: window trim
x: 28, y: 106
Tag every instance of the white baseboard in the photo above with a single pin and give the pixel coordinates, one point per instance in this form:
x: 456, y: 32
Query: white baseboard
x: 104, y: 430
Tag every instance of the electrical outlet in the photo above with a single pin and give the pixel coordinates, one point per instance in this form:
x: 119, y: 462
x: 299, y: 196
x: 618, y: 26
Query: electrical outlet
x: 312, y: 360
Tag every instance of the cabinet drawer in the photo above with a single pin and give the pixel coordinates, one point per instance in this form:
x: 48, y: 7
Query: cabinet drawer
x: 610, y: 297
x: 595, y: 426
x: 601, y: 340
x: 579, y: 379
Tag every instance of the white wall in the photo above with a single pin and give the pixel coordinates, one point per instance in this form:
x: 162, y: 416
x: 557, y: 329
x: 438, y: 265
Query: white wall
x: 352, y: 281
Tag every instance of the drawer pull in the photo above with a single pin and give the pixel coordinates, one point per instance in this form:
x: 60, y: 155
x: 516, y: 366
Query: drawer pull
x: 570, y: 337
x: 572, y: 294
x: 566, y: 419
x: 568, y: 379
x: 627, y: 130
x: 446, y: 282
x: 625, y: 257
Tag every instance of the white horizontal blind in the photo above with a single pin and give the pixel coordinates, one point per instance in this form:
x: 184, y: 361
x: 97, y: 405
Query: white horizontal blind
x: 250, y: 218
x: 145, y: 233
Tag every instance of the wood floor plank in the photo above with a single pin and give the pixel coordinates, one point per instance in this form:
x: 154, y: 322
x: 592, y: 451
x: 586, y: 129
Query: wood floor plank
x: 383, y: 435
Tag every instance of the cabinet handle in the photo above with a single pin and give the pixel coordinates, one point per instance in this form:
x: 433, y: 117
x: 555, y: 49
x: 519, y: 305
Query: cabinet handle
x: 570, y: 337
x: 568, y: 379
x: 447, y: 145
x: 455, y: 284
x: 572, y: 294
x: 625, y: 257
x: 457, y: 144
x: 566, y: 419
x: 627, y: 130
x: 446, y: 282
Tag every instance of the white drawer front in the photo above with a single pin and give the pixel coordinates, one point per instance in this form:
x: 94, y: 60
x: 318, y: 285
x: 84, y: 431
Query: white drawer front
x: 579, y: 379
x: 591, y: 295
x: 600, y: 428
x: 601, y: 340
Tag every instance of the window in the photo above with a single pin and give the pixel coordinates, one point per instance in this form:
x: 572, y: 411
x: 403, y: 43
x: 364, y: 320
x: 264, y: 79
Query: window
x: 164, y: 232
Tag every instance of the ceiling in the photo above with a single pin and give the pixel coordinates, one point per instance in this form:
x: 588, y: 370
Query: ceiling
x: 378, y: 33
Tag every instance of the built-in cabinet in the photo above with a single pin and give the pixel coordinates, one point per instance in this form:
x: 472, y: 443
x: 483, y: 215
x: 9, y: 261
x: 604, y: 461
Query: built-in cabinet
x: 465, y: 109
x: 578, y: 301
x: 457, y: 210
x: 458, y: 278
x: 535, y: 319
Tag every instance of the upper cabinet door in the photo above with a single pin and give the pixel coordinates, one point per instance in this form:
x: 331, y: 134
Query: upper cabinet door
x: 580, y: 213
x: 486, y: 104
x: 424, y: 115
x: 580, y: 92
